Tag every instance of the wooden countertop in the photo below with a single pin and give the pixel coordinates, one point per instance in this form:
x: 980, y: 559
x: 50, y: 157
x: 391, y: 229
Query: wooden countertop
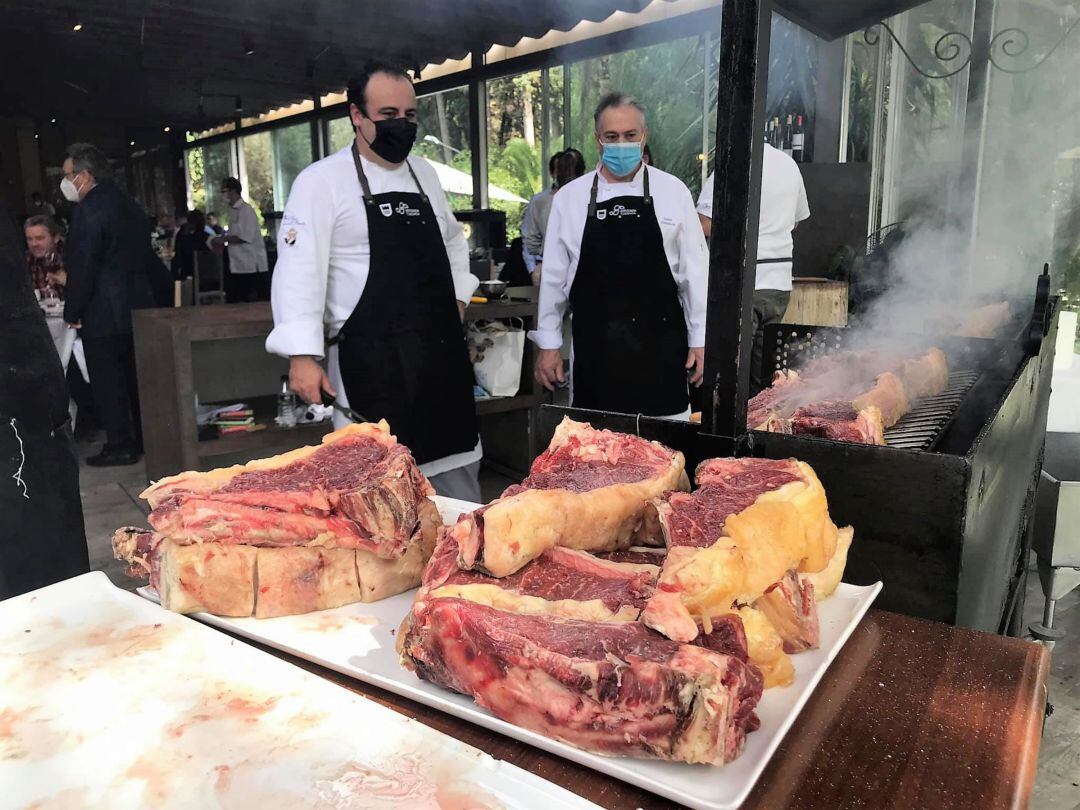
x: 910, y: 714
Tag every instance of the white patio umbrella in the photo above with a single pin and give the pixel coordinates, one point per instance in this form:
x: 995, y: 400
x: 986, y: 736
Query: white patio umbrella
x: 455, y: 181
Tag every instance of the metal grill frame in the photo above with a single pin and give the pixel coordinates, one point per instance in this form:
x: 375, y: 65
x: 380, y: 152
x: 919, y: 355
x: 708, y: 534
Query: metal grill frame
x: 923, y: 425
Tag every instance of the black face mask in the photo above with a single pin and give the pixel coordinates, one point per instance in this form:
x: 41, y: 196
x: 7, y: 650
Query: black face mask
x: 394, y: 138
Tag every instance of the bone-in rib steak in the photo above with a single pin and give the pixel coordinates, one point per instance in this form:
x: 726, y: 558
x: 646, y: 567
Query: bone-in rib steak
x: 587, y: 491
x: 616, y: 689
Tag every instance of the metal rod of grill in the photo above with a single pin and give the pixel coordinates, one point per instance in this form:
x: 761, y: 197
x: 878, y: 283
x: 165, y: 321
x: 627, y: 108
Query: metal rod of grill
x: 920, y: 427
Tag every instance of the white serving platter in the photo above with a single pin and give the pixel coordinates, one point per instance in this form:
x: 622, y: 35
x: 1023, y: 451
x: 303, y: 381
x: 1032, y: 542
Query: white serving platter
x: 108, y: 701
x: 358, y: 640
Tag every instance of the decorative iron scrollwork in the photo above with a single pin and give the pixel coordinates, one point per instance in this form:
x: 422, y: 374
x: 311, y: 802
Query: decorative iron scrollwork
x: 949, y: 47
x: 953, y: 45
x: 1014, y: 42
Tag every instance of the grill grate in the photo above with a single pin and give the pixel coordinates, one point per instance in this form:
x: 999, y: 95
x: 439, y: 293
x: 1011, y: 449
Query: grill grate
x: 920, y: 427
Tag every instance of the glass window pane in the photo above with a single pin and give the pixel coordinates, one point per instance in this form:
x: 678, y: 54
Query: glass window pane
x: 258, y: 173
x: 515, y: 171
x: 292, y: 154
x: 196, y: 178
x: 219, y: 162
x: 340, y: 133
x: 442, y: 137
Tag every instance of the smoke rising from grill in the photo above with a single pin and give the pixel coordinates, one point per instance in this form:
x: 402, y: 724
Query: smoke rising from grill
x: 977, y: 233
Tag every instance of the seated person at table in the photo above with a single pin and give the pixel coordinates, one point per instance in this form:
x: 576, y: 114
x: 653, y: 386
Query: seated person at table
x: 45, y: 256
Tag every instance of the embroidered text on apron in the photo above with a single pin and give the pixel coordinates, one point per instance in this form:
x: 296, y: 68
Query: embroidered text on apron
x: 402, y: 350
x: 630, y: 341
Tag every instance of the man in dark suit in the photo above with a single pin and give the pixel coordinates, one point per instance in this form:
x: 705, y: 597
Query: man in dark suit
x: 106, y: 255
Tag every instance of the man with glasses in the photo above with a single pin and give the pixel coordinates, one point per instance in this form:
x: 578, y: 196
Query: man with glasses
x: 248, y: 268
x: 107, y: 250
x: 624, y: 251
x: 369, y: 251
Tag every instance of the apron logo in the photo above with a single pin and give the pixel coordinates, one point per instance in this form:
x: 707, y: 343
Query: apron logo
x: 601, y: 213
x: 386, y: 209
x: 403, y: 208
x: 290, y: 237
x: 622, y: 211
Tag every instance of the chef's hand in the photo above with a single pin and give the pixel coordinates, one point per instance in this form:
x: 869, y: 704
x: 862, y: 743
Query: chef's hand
x: 308, y: 379
x: 549, y: 368
x: 75, y: 325
x: 461, y: 310
x: 59, y: 277
x: 695, y: 359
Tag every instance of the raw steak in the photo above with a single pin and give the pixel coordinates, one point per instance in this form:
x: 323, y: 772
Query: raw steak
x: 790, y: 607
x: 616, y: 689
x: 730, y: 542
x: 359, y: 489
x: 587, y: 491
x: 560, y: 582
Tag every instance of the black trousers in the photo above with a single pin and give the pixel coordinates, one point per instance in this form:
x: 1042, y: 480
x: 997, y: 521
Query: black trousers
x: 42, y: 539
x: 241, y: 288
x: 111, y: 364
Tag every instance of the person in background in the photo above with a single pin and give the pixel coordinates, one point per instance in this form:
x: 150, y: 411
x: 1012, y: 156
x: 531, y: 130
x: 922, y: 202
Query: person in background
x: 624, y: 250
x: 106, y: 253
x: 214, y: 224
x: 39, y: 207
x: 45, y: 256
x: 529, y: 217
x: 369, y: 251
x: 248, y: 269
x: 566, y: 166
x: 783, y: 207
x: 646, y: 156
x: 191, y: 239
x: 42, y: 537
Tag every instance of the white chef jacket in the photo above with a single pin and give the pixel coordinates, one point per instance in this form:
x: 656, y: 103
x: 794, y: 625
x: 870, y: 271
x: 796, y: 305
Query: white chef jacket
x: 684, y: 244
x: 249, y: 257
x: 324, y: 255
x: 783, y: 205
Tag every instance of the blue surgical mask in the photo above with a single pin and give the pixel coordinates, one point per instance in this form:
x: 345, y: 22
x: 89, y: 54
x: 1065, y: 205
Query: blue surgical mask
x: 621, y: 158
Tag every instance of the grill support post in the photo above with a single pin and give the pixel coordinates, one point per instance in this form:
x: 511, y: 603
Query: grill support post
x: 740, y: 120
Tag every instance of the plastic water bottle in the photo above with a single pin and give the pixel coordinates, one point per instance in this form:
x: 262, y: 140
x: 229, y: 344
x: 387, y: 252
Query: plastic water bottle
x: 286, y: 406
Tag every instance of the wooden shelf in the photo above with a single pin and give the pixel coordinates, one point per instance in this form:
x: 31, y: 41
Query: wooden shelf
x: 271, y: 437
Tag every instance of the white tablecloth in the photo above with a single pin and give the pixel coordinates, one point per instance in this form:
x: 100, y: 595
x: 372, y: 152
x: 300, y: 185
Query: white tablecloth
x: 64, y: 340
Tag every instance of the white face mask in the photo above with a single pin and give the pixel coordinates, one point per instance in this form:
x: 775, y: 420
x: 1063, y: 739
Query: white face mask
x: 69, y: 190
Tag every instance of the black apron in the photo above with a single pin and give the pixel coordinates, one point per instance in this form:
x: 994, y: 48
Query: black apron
x: 402, y: 351
x: 630, y: 341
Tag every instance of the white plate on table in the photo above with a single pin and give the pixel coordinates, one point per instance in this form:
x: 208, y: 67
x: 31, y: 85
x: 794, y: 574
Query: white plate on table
x: 108, y: 701
x: 358, y: 640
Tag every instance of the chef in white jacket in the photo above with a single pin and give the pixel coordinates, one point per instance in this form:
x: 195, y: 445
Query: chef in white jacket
x: 625, y: 253
x: 372, y: 263
x: 783, y: 207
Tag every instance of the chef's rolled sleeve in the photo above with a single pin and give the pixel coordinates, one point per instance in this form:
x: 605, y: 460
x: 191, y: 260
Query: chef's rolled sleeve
x: 554, y: 289
x: 298, y: 294
x: 693, y: 276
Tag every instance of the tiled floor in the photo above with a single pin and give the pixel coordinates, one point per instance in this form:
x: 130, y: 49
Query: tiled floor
x: 110, y: 500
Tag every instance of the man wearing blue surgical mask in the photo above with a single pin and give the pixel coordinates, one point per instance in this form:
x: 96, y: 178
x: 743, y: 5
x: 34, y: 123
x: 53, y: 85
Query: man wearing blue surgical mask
x: 624, y: 251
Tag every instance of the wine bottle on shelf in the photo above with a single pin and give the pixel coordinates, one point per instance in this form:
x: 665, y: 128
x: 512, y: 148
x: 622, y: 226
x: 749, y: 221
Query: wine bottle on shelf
x: 798, y: 140
x: 777, y: 135
x: 786, y: 147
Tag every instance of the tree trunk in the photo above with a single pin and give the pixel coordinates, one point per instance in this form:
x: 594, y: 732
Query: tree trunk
x: 528, y: 120
x: 444, y: 128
